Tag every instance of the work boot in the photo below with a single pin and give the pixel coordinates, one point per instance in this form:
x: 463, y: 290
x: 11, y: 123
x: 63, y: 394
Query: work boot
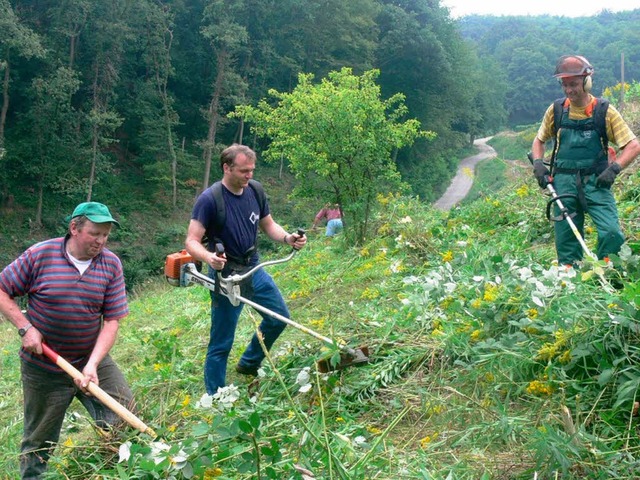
x: 244, y: 370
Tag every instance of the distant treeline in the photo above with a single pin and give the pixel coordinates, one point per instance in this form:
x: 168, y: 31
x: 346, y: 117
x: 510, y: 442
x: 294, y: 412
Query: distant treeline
x: 524, y: 51
x: 129, y: 99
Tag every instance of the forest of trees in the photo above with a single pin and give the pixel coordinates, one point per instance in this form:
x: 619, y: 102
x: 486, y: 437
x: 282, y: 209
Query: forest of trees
x: 524, y: 51
x: 117, y: 97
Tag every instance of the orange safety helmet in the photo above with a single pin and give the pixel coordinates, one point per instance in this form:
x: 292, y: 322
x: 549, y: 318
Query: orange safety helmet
x: 573, y: 66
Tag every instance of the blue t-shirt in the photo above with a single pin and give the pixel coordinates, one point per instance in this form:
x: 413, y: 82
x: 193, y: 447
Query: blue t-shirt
x: 241, y: 225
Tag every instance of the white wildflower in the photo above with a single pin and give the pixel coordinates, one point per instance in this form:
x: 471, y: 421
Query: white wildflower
x: 359, y: 441
x: 410, y: 280
x: 158, y: 450
x: 227, y: 396
x: 206, y: 401
x: 124, y: 452
x: 406, y: 219
x: 396, y: 266
x: 305, y: 388
x: 525, y: 273
x: 303, y: 376
x: 478, y: 278
x: 537, y: 300
x: 180, y: 460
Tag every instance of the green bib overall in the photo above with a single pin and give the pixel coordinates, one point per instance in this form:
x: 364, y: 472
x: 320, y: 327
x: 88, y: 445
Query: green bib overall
x: 579, y: 160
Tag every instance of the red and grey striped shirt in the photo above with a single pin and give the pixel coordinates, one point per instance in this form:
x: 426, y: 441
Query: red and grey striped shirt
x: 65, y: 306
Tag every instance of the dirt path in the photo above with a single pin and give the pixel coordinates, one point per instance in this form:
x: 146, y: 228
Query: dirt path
x: 462, y: 182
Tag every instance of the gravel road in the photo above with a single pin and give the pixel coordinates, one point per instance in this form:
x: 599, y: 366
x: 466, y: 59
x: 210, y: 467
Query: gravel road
x: 462, y: 182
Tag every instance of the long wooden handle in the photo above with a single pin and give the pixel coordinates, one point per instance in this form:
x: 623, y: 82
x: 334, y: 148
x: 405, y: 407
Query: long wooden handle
x: 100, y: 394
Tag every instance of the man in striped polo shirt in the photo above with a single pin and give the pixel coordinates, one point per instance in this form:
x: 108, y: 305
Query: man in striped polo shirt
x: 76, y: 297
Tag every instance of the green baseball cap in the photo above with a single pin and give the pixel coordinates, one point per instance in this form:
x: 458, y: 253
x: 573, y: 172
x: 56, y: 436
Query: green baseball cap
x: 94, y: 211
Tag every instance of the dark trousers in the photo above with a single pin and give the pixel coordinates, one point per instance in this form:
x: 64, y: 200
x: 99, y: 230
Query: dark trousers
x: 46, y: 399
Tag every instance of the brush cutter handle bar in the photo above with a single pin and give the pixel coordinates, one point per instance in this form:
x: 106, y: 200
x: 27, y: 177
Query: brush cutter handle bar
x: 97, y: 392
x: 296, y: 325
x: 238, y: 278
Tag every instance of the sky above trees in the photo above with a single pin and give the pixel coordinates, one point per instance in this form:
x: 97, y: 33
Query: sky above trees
x: 565, y: 8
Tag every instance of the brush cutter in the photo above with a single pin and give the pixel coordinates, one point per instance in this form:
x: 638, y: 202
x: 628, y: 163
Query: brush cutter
x: 564, y: 213
x: 180, y: 270
x: 97, y: 392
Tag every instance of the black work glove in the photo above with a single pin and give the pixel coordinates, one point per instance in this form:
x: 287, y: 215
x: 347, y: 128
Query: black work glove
x: 606, y: 178
x: 542, y: 173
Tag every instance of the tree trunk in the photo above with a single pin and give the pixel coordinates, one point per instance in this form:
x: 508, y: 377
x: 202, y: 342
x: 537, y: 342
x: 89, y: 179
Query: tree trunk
x: 95, y: 132
x: 94, y: 161
x: 72, y: 51
x: 241, y: 133
x: 213, y: 117
x: 38, y: 222
x: 5, y: 101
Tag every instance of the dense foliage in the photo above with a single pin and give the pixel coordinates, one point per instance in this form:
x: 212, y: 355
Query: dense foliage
x: 523, y: 51
x: 487, y: 360
x: 141, y: 90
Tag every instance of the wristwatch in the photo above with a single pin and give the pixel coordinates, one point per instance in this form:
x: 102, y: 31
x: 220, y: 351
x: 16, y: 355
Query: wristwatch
x: 22, y: 331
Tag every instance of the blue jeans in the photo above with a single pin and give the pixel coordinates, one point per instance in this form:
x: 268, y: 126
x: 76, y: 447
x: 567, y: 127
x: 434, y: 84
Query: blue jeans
x: 333, y: 226
x: 224, y: 320
x: 46, y: 399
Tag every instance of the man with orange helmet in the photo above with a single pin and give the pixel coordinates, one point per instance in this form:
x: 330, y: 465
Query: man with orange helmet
x: 580, y: 168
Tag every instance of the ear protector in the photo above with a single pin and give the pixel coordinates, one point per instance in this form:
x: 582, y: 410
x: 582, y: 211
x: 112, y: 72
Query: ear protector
x: 587, y: 83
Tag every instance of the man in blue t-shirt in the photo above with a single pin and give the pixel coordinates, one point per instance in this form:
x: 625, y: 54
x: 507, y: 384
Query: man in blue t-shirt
x: 244, y: 214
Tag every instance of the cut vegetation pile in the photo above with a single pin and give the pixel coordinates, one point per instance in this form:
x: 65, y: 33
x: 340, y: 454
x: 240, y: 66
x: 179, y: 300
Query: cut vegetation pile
x: 487, y: 361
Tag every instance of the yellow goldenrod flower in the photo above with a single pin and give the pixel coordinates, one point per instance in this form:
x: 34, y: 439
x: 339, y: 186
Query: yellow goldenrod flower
x: 539, y: 388
x: 490, y: 292
x: 212, y: 473
x: 186, y: 401
x: 447, y: 256
x: 565, y: 357
x: 548, y: 351
x: 424, y: 441
x: 523, y: 191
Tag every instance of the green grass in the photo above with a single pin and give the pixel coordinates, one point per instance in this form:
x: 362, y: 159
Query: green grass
x: 486, y: 362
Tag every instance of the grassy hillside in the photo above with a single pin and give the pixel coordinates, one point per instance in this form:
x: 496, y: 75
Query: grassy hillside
x: 487, y: 361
